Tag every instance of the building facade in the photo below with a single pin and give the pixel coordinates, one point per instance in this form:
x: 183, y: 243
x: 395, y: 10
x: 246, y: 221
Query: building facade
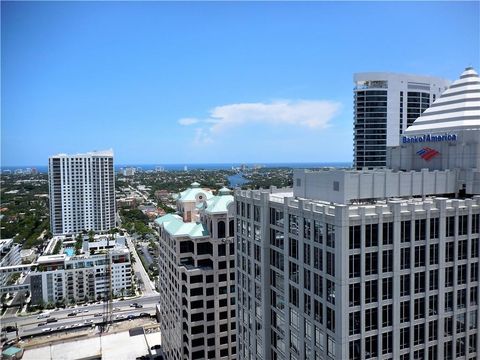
x: 385, y: 104
x: 9, y: 256
x: 82, y: 192
x: 371, y: 264
x: 58, y: 278
x: 197, y: 277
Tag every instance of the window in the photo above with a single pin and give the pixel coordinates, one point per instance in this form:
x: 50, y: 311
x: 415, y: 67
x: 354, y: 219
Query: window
x: 371, y: 235
x: 434, y: 225
x: 293, y: 248
x: 450, y: 231
x: 432, y: 330
x: 420, y: 230
x: 354, y: 294
x: 354, y: 322
x: 371, y: 319
x: 461, y: 298
x: 449, y: 249
x: 405, y: 285
x: 462, y: 274
x: 433, y: 254
x: 404, y: 258
x: 405, y: 311
x: 419, y: 285
x: 317, y: 285
x: 387, y: 233
x: 354, y: 350
x: 354, y: 237
x: 474, y: 252
x: 387, y: 288
x: 387, y: 343
x: 330, y: 235
x: 449, y: 301
x: 448, y: 326
x: 433, y: 305
x: 307, y: 226
x: 331, y: 291
x: 330, y: 319
x: 318, y: 232
x: 330, y: 263
x: 419, y: 334
x: 405, y: 231
x: 419, y: 308
x: 449, y: 276
x: 371, y: 263
x: 354, y: 266
x: 433, y: 280
x: 404, y: 338
x: 387, y: 315
x: 474, y: 272
x: 462, y: 225
x: 462, y: 250
x: 419, y: 256
x: 371, y: 291
x: 387, y: 263
x: 371, y: 346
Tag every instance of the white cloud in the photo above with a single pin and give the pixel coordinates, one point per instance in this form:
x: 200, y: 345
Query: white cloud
x: 313, y: 114
x: 188, y: 121
x: 202, y: 137
x: 309, y: 114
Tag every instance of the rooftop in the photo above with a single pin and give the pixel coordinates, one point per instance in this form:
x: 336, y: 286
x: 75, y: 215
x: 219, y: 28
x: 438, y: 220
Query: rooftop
x: 108, y: 152
x: 192, y: 192
x: 457, y: 108
x: 174, y: 225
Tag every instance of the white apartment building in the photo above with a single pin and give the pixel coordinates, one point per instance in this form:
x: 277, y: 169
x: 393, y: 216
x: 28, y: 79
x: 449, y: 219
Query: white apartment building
x: 385, y: 104
x: 371, y: 264
x: 82, y: 192
x: 9, y: 256
x: 197, y: 277
x: 58, y: 278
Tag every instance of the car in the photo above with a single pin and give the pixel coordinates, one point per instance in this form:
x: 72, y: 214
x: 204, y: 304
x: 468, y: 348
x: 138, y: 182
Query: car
x: 88, y: 321
x: 139, y: 306
x: 98, y: 314
x: 56, y: 309
x: 134, y: 304
x: 144, y: 314
x: 155, y: 347
x: 42, y: 323
x: 130, y: 317
x: 9, y: 328
x: 51, y: 320
x: 43, y: 316
x: 61, y: 327
x: 47, y: 330
x: 85, y: 304
x: 86, y: 310
x: 72, y: 314
x: 116, y: 309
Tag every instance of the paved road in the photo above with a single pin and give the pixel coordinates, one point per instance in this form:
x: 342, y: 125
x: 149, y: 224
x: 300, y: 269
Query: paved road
x: 28, y: 325
x: 139, y: 269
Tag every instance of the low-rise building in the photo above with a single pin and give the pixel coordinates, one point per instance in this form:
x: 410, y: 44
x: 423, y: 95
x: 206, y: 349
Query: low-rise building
x: 9, y: 256
x: 58, y: 278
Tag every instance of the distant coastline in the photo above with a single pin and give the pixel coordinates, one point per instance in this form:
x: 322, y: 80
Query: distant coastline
x: 219, y: 166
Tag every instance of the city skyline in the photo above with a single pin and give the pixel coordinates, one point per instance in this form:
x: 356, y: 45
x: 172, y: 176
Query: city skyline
x: 270, y: 82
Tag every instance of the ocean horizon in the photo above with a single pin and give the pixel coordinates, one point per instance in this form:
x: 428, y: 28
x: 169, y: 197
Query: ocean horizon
x: 203, y: 166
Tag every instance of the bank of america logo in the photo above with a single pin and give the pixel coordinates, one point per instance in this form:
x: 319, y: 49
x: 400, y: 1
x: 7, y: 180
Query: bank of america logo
x: 427, y: 153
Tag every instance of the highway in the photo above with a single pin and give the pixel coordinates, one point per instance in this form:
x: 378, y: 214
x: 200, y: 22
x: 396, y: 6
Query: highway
x: 28, y: 325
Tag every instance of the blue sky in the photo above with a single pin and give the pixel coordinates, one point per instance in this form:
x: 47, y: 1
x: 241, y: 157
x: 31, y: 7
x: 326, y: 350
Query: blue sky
x: 210, y: 82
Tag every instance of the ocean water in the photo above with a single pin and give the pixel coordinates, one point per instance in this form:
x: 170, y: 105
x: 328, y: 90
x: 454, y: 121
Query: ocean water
x: 206, y: 166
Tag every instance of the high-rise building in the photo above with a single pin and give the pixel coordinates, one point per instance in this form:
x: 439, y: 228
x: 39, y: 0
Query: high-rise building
x: 385, y: 104
x: 82, y: 192
x: 363, y: 264
x: 197, y: 276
